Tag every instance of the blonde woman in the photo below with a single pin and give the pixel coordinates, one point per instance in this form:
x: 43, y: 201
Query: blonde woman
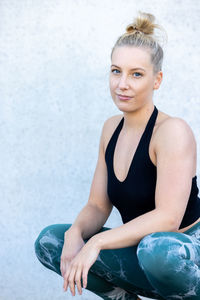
x: 147, y: 169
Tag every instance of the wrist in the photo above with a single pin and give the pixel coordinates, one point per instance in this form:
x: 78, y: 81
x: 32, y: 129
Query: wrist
x: 74, y: 230
x: 97, y: 241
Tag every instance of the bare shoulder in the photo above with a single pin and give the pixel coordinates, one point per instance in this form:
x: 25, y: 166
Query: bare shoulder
x: 174, y: 131
x: 109, y: 127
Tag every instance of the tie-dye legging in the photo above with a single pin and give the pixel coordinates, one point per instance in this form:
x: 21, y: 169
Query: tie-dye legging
x: 164, y: 265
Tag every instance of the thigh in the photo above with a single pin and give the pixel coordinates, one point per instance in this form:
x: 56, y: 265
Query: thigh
x: 121, y: 267
x: 171, y: 262
x: 117, y: 266
x: 160, y: 247
x: 48, y: 248
x: 55, y: 231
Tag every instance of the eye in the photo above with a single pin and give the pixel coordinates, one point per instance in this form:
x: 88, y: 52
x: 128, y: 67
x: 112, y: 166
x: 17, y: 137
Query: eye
x: 115, y: 71
x: 137, y: 74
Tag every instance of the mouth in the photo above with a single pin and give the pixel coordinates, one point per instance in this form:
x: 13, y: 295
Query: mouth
x: 123, y: 97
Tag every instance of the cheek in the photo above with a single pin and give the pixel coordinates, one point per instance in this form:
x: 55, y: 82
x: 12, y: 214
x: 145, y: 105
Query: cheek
x: 112, y: 83
x: 145, y: 87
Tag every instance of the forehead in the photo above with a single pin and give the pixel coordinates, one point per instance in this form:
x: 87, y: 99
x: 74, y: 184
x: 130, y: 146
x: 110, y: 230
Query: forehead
x: 131, y: 57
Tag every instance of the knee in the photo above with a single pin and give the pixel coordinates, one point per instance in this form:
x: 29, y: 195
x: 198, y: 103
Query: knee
x: 40, y: 241
x: 49, y: 239
x: 43, y: 242
x: 160, y: 252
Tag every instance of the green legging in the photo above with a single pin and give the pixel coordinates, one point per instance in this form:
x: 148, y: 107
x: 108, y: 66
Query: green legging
x: 164, y: 265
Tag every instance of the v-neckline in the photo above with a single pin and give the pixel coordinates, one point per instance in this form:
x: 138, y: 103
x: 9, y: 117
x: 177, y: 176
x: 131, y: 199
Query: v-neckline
x: 136, y: 150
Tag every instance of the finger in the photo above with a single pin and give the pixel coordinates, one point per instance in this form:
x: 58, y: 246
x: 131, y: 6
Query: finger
x: 84, y: 277
x: 65, y: 266
x: 66, y: 279
x: 78, y: 280
x: 72, y: 281
x: 62, y: 268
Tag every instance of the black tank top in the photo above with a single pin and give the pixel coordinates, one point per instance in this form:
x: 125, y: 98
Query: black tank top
x: 136, y: 194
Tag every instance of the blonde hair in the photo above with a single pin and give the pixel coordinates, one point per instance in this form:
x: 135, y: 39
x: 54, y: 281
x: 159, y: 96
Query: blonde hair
x: 141, y: 34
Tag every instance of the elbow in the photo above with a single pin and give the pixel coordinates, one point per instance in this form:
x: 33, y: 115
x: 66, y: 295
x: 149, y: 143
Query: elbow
x: 173, y: 223
x: 170, y: 222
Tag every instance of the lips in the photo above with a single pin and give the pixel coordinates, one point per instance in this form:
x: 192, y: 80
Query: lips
x: 123, y: 97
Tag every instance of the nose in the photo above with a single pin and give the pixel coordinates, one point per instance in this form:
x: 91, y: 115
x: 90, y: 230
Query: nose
x: 123, y: 83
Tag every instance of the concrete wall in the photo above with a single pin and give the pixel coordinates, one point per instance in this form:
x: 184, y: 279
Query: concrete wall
x: 54, y: 98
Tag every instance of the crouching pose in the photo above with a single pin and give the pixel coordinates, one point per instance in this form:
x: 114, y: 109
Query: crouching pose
x: 147, y: 169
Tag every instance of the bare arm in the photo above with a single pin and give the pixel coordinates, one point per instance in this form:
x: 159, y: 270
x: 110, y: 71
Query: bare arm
x: 176, y: 152
x: 98, y: 208
x: 91, y: 218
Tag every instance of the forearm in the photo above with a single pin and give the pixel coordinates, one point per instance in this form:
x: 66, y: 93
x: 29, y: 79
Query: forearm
x: 132, y: 232
x: 89, y: 221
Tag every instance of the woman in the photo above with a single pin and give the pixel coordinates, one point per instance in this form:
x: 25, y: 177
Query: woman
x: 147, y: 169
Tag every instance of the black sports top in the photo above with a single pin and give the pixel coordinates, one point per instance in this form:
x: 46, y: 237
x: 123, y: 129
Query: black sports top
x: 136, y: 194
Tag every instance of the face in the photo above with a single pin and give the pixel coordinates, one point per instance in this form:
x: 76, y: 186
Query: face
x: 132, y: 78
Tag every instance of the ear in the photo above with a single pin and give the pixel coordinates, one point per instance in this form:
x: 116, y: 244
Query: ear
x: 158, y: 80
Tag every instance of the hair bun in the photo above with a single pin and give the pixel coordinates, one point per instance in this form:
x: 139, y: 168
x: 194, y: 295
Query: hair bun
x: 141, y: 34
x: 144, y: 23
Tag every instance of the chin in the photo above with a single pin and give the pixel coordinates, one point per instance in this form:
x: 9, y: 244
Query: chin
x: 125, y: 108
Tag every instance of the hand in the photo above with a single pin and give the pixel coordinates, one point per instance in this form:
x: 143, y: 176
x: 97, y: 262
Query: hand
x: 72, y: 245
x: 80, y: 266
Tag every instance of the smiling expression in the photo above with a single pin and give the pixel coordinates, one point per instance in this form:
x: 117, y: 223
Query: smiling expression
x: 132, y: 78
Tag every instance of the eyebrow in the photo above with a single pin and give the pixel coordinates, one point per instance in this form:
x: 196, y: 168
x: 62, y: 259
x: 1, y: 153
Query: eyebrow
x: 133, y: 69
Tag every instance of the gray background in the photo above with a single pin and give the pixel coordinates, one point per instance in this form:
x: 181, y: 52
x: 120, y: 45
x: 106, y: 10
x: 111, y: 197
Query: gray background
x: 54, y: 95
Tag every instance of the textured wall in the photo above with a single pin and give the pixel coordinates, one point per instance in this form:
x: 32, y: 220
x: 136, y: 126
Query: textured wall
x: 54, y: 65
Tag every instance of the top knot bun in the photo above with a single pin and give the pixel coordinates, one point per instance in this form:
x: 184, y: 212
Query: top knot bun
x: 142, y: 34
x: 144, y: 23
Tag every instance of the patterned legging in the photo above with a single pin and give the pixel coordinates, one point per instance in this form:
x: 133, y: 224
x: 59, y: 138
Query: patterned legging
x: 164, y: 265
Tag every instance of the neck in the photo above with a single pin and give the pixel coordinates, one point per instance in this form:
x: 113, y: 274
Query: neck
x: 138, y: 119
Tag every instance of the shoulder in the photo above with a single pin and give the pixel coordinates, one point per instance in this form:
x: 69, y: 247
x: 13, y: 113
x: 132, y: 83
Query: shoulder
x: 175, y: 133
x: 109, y: 127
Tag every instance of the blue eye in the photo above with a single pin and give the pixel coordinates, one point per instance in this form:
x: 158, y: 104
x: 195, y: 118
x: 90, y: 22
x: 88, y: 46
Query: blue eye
x: 115, y: 71
x: 137, y: 74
